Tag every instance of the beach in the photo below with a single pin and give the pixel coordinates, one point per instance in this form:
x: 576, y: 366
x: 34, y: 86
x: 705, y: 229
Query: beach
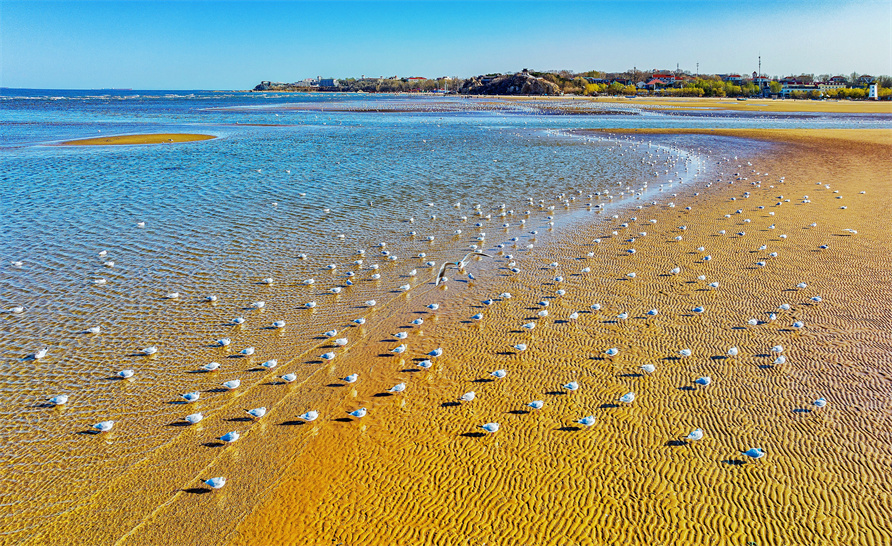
x: 421, y: 474
x: 741, y: 213
x: 419, y: 470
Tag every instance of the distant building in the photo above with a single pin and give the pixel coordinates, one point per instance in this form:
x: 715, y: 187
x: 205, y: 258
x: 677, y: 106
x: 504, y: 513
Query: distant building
x: 866, y: 78
x: 788, y: 89
x: 874, y: 92
x: 328, y: 82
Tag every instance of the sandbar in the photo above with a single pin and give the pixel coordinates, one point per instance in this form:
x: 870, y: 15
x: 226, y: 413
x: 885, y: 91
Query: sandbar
x: 128, y: 140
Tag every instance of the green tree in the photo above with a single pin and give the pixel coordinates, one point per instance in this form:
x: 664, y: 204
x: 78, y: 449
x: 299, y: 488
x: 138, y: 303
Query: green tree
x: 775, y: 88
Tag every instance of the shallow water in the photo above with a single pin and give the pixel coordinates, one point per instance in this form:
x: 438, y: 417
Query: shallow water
x: 222, y: 215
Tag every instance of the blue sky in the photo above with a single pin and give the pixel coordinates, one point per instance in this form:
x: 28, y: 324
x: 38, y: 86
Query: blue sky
x: 235, y: 44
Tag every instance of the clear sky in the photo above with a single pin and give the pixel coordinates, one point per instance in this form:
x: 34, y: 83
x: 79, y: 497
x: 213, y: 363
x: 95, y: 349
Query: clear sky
x: 236, y: 44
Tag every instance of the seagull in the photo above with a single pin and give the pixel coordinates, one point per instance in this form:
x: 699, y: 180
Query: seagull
x: 232, y: 384
x: 247, y: 351
x: 210, y: 299
x: 309, y: 416
x: 754, y: 453
x: 733, y: 351
x: 104, y: 426
x: 490, y: 427
x: 59, y: 400
x: 520, y: 347
x: 433, y: 306
x: 437, y: 352
x: 330, y: 333
x: 536, y: 404
x: 223, y: 342
x: 360, y: 321
x: 694, y: 435
x: 684, y: 352
x: 148, y: 351
x: 279, y: 324
x: 820, y: 402
x: 777, y: 349
x: 191, y: 396
x: 359, y: 414
x: 460, y: 265
x: 211, y: 366
x: 256, y: 413
x: 705, y: 381
x: 370, y: 303
x: 40, y: 353
x: 399, y: 350
x: 627, y: 398
x: 93, y: 330
x: 351, y: 378
x: 230, y: 437
x: 341, y: 341
x: 270, y: 364
x: 16, y: 310
x: 125, y: 374
x: 396, y: 389
x: 572, y: 386
x: 327, y: 356
x: 468, y: 396
x: 401, y: 335
x: 216, y: 483
x: 587, y: 421
x: 258, y: 305
x: 613, y: 351
x: 649, y: 368
x: 193, y: 418
x: 478, y: 316
x: 288, y: 378
x: 310, y: 304
x: 238, y: 320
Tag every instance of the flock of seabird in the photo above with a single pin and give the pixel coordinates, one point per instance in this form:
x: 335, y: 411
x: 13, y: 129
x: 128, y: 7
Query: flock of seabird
x: 461, y: 267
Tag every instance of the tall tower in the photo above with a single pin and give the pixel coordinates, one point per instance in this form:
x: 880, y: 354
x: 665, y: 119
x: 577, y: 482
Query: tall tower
x: 760, y: 66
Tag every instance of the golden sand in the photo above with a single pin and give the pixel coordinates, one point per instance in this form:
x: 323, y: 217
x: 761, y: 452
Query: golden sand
x: 418, y: 469
x: 122, y: 140
x: 749, y: 105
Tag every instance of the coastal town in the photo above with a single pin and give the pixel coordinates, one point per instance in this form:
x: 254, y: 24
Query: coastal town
x: 594, y: 83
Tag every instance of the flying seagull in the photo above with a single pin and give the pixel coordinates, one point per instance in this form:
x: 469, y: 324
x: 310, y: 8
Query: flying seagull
x: 460, y: 265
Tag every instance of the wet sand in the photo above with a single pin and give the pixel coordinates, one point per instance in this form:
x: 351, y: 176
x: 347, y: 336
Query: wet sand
x: 124, y: 140
x: 419, y: 470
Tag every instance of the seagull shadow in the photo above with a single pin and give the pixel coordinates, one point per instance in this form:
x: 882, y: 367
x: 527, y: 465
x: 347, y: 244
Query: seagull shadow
x: 569, y: 428
x: 382, y: 394
x: 766, y: 366
x: 44, y: 405
x: 686, y: 388
x: 506, y: 353
x: 386, y: 355
x: 236, y: 356
x: 483, y: 380
x: 518, y: 412
x: 88, y: 432
x: 336, y: 385
x: 411, y: 370
x: 472, y: 434
x: 343, y: 420
x: 676, y: 443
x: 292, y: 423
x: 734, y: 462
x: 608, y: 405
x: 450, y: 404
x: 198, y: 490
x: 217, y: 389
x: 556, y: 393
x: 239, y: 420
x: 630, y: 375
x: 178, y: 424
x: 802, y: 410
